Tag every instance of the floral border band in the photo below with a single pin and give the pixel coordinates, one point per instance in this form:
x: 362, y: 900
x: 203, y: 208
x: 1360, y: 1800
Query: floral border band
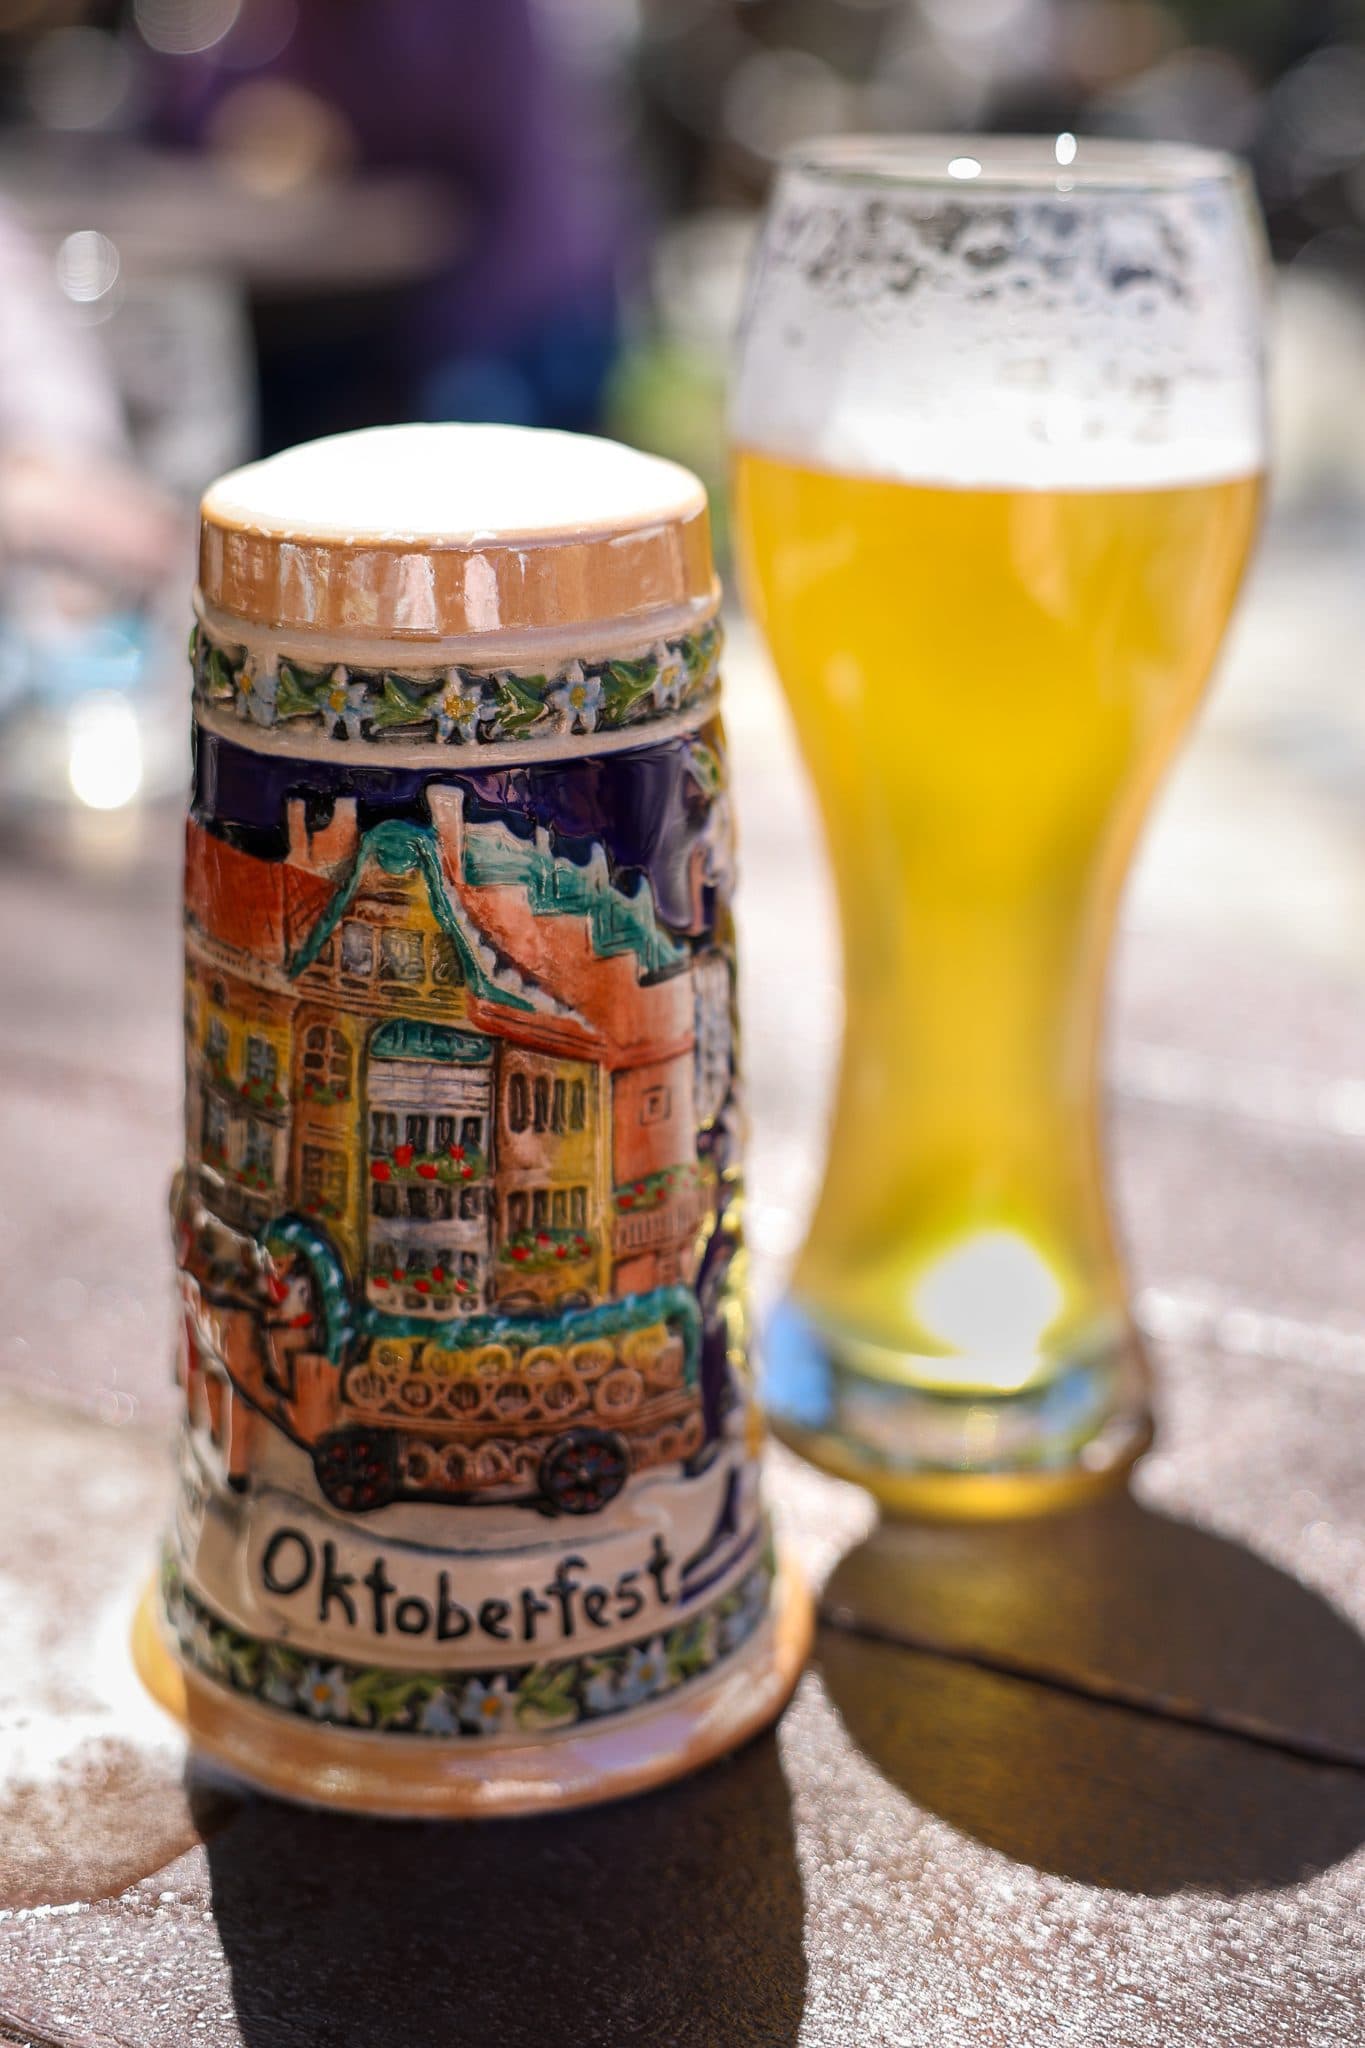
x: 454, y: 1704
x: 458, y: 707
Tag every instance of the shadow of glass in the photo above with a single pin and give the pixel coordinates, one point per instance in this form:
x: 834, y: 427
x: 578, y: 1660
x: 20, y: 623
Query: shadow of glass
x: 674, y: 1918
x: 1114, y: 1696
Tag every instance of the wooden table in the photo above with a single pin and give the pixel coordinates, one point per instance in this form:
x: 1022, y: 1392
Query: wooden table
x: 1099, y: 1779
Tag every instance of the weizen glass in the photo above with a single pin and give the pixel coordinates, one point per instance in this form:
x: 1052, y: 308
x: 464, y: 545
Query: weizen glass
x: 999, y: 430
x: 468, y: 1518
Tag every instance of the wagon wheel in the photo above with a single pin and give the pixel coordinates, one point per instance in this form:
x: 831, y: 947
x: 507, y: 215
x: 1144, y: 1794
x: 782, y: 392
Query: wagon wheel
x: 357, y: 1469
x: 583, y: 1470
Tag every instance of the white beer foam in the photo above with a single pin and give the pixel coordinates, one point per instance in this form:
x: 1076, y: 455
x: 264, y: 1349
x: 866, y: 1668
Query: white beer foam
x: 428, y: 484
x: 1105, y: 337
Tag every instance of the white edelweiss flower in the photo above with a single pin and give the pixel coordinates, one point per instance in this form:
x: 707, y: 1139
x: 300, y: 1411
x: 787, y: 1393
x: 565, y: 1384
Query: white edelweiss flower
x: 577, y: 700
x: 459, y: 707
x: 671, y: 680
x: 322, y: 1690
x: 345, y: 701
x: 484, y: 1708
x: 438, y: 1715
x: 256, y: 685
x: 645, y: 1673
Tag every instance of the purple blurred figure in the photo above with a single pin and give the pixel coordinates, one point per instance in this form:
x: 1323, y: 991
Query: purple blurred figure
x: 480, y: 95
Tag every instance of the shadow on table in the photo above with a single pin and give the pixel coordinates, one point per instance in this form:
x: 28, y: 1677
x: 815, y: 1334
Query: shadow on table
x: 1067, y: 1659
x: 675, y: 1917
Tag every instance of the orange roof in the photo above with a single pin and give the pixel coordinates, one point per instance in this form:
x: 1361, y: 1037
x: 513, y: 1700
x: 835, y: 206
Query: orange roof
x: 261, y: 907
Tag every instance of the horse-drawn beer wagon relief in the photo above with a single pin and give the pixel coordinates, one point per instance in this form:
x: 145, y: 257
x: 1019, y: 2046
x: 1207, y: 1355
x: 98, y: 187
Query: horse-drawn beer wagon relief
x: 458, y: 1210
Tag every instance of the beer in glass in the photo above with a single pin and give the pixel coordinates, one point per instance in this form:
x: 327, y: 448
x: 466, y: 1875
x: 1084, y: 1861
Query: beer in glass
x: 999, y: 434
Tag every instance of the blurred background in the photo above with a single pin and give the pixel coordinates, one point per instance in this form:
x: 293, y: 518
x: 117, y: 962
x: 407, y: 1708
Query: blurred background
x: 226, y: 225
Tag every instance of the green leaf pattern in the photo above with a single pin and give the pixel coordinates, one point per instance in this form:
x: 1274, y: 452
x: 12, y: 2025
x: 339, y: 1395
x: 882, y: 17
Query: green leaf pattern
x: 459, y: 1704
x: 458, y: 707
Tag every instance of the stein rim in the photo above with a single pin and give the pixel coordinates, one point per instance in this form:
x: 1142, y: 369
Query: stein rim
x: 1043, y: 163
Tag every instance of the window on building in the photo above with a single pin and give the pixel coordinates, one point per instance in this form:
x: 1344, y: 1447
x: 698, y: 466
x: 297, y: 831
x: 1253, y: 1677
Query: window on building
x: 400, y: 954
x: 518, y: 1103
x: 557, y: 1107
x: 383, y: 1130
x: 578, y: 1208
x: 542, y: 1102
x: 258, y: 1154
x: 446, y: 970
x: 327, y: 1059
x: 471, y: 1204
x: 516, y: 1213
x: 419, y: 1268
x: 578, y: 1106
x: 471, y: 1133
x: 326, y: 953
x: 383, y: 1198
x: 415, y: 1133
x: 215, y: 1128
x: 357, y: 949
x: 218, y: 992
x: 383, y: 1259
x: 469, y: 1266
x: 442, y: 1201
x: 419, y: 1199
x: 656, y: 1105
x: 444, y: 1133
x: 262, y: 1061
x: 559, y: 1208
x: 216, y: 1042
x: 540, y: 1208
x: 322, y: 1176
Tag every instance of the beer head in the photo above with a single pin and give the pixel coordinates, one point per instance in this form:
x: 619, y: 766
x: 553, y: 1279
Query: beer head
x: 1003, y: 312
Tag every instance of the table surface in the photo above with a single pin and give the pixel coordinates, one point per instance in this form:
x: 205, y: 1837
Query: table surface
x: 1096, y: 1779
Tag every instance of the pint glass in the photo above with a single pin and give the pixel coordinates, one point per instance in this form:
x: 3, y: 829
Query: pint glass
x: 999, y: 437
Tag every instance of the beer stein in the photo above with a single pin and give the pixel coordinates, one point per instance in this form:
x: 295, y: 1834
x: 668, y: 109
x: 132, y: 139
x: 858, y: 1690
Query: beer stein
x: 999, y: 446
x: 468, y: 1516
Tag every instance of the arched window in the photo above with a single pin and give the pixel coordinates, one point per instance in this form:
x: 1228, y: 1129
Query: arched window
x: 578, y: 1106
x: 518, y: 1103
x: 542, y: 1116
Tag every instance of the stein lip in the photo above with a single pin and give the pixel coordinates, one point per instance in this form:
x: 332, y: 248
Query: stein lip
x: 963, y: 164
x: 430, y: 533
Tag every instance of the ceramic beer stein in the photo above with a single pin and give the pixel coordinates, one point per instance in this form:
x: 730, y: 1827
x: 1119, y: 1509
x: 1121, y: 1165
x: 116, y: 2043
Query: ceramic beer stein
x: 468, y: 1518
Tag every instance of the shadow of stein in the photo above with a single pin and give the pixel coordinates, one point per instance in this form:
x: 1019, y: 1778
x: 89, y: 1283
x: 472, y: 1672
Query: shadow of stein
x: 468, y: 1519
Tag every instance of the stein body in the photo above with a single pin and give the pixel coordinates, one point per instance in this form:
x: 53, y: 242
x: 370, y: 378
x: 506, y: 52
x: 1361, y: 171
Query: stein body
x: 468, y: 1466
x: 992, y: 636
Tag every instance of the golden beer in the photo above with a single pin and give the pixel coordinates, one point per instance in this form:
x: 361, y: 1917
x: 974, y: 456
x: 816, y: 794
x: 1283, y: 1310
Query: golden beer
x: 987, y: 686
x: 988, y: 683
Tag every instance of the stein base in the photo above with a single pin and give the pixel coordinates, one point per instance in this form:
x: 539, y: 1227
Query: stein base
x: 360, y: 1772
x: 944, y: 1457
